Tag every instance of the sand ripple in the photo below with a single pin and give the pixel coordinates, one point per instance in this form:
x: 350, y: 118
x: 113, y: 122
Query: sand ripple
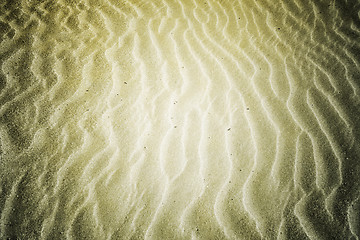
x: 179, y: 119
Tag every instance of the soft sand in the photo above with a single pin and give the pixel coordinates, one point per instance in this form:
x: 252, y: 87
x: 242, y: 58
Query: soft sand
x: 179, y: 120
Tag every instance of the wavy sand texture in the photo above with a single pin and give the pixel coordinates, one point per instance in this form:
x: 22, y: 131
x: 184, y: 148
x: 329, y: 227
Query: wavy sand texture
x: 179, y: 119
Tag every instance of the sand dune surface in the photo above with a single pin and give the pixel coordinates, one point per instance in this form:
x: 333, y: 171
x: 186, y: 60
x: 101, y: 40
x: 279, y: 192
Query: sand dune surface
x: 179, y: 119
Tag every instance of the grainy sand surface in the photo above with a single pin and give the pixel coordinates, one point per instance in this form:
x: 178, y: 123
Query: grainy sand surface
x: 180, y: 119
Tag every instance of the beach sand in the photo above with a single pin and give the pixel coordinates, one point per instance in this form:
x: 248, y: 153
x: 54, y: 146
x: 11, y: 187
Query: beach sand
x: 179, y: 119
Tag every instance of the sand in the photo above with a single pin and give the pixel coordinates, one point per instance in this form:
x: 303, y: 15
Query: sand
x: 179, y: 119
